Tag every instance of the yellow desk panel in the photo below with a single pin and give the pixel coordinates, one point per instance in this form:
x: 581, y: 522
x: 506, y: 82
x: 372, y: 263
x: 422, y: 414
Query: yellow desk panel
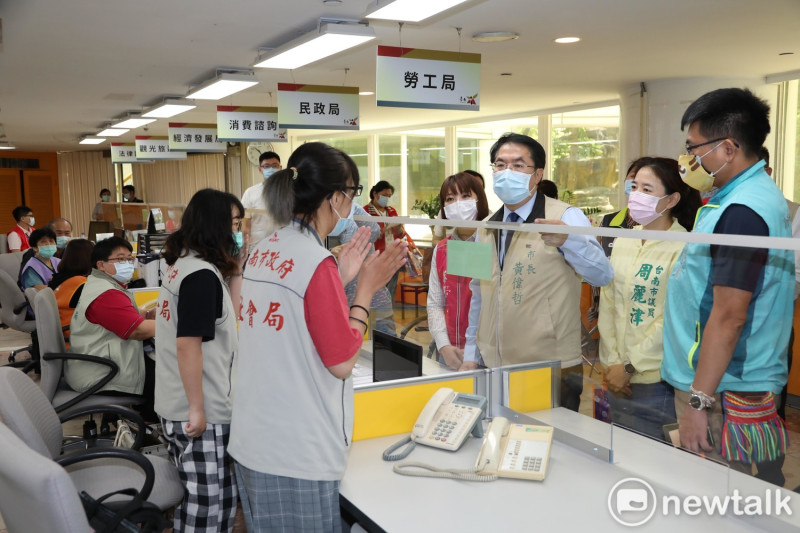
x: 530, y: 390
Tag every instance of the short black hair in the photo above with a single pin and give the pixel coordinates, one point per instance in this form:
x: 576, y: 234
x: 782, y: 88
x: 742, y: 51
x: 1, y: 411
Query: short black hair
x: 39, y: 234
x: 104, y: 190
x: 763, y: 153
x: 731, y: 113
x: 103, y: 249
x: 537, y: 150
x: 548, y: 188
x: 130, y: 188
x: 20, y: 211
x: 268, y: 155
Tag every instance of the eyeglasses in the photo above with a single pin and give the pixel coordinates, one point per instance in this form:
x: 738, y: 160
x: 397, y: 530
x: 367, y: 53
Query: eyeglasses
x: 691, y: 147
x: 356, y: 190
x: 129, y: 260
x: 518, y: 167
x: 267, y: 165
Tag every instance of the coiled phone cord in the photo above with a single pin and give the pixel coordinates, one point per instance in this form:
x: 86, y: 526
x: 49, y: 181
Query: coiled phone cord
x: 469, y: 474
x: 387, y: 454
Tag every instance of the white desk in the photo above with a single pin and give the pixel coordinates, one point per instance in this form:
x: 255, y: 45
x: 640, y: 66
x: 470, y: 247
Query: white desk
x: 574, y: 497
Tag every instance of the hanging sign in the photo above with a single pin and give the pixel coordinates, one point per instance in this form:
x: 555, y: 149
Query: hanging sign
x: 184, y: 137
x: 326, y: 107
x: 125, y: 153
x: 149, y: 147
x: 428, y: 79
x: 242, y: 123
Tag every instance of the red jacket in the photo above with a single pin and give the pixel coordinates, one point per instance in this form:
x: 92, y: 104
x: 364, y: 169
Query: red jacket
x: 380, y: 244
x: 22, y: 237
x: 457, y: 296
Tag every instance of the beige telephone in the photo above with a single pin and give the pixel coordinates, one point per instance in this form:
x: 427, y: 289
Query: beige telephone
x: 515, y: 450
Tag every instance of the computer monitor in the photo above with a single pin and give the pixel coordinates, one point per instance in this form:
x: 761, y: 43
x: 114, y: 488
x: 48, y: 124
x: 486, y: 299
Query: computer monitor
x: 394, y: 358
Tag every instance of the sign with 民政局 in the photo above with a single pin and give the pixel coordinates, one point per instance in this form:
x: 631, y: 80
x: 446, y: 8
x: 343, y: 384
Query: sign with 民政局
x: 122, y: 152
x: 185, y: 137
x: 150, y: 147
x: 247, y: 123
x: 428, y: 79
x: 326, y: 107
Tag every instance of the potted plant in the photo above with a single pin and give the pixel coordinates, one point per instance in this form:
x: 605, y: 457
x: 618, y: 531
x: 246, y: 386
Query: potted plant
x: 430, y: 207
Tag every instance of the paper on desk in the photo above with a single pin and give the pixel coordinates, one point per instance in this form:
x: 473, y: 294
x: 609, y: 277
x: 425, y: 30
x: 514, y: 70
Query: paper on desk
x: 469, y: 259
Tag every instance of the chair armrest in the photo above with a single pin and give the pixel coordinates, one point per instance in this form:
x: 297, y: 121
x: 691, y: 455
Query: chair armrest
x: 113, y: 371
x: 20, y: 307
x: 115, y: 453
x: 118, y: 409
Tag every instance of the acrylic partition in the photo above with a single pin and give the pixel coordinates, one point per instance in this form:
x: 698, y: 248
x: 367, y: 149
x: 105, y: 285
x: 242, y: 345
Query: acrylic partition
x: 587, y: 360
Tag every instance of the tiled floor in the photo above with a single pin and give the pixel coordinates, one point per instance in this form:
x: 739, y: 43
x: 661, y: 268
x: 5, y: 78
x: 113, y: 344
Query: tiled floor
x: 10, y: 340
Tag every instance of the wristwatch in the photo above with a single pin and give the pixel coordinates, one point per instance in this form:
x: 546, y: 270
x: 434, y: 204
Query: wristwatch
x: 629, y: 368
x: 699, y: 400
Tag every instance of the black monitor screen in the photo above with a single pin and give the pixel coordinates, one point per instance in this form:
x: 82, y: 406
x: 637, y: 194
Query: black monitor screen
x: 394, y: 358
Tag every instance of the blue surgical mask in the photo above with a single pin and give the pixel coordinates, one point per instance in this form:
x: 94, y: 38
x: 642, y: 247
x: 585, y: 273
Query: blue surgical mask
x: 126, y: 197
x: 106, y: 198
x: 239, y: 240
x: 343, y: 223
x: 61, y: 241
x: 511, y: 186
x: 383, y: 201
x: 267, y: 172
x: 628, y: 185
x: 124, y: 272
x: 47, y: 251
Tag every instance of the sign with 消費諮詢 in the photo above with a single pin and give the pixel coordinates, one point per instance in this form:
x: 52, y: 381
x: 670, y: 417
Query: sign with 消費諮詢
x: 247, y: 123
x: 122, y: 152
x: 428, y: 79
x: 184, y: 137
x: 149, y: 147
x: 327, y: 107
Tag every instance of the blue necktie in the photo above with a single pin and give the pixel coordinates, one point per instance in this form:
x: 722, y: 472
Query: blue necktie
x: 511, y: 217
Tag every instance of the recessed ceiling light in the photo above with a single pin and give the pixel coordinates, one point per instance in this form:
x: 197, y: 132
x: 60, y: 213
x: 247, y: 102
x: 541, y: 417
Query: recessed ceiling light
x: 567, y: 40
x: 91, y: 140
x: 5, y: 145
x: 494, y: 36
x: 111, y: 132
x: 366, y: 93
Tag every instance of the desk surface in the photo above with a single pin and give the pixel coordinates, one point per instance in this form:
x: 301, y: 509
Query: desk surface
x: 574, y: 495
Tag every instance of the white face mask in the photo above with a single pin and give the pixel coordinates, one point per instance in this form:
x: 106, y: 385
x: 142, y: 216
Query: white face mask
x: 32, y: 222
x: 124, y: 272
x: 462, y: 210
x: 383, y: 201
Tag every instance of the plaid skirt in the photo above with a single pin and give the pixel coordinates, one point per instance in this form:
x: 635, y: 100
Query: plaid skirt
x: 285, y: 504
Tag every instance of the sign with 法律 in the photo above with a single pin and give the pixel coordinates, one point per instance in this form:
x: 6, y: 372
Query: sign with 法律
x: 326, y: 107
x: 428, y: 79
x: 150, y: 147
x: 184, y: 137
x: 122, y: 152
x: 247, y: 123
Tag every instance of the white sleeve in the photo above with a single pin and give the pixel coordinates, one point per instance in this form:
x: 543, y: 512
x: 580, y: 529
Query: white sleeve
x: 584, y: 253
x: 436, y: 302
x: 13, y: 241
x: 471, y: 352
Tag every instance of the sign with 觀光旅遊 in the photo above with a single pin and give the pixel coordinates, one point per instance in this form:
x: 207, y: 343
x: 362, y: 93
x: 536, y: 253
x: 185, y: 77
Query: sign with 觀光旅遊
x: 185, y: 137
x: 248, y: 123
x: 326, y: 107
x: 149, y: 147
x: 428, y: 79
x: 125, y: 152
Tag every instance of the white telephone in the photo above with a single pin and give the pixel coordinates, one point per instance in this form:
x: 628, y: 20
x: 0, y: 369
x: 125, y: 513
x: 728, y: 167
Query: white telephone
x: 446, y: 421
x: 515, y: 450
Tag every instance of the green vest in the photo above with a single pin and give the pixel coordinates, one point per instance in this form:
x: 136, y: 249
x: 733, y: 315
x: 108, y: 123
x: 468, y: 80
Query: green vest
x: 93, y: 339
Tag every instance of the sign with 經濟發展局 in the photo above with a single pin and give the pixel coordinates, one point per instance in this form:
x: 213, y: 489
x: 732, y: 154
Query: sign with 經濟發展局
x: 428, y: 79
x: 327, y: 107
x: 248, y: 123
x: 186, y: 137
x: 150, y: 147
x: 125, y: 152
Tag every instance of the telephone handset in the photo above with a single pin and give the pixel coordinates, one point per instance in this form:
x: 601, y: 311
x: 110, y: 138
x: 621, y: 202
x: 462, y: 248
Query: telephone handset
x: 446, y: 421
x: 515, y: 450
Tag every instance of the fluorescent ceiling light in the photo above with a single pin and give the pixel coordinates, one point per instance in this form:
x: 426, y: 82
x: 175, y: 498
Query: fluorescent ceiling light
x: 224, y: 84
x: 5, y: 145
x: 91, y: 140
x: 111, y: 132
x: 133, y: 122
x: 366, y: 93
x: 313, y: 46
x: 169, y: 108
x: 408, y: 10
x: 494, y: 36
x: 567, y: 40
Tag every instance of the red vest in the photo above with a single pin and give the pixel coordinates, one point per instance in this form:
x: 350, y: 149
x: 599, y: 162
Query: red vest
x: 457, y: 295
x: 22, y: 237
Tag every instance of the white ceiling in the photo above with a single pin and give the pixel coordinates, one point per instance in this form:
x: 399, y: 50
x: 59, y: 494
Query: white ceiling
x: 67, y: 67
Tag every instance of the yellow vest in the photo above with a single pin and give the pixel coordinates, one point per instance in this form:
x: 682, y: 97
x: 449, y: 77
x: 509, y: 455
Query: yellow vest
x: 530, y: 309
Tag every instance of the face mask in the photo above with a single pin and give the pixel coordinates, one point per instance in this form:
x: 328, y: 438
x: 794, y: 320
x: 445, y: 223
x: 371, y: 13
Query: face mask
x: 628, y: 185
x: 383, y: 201
x: 642, y: 207
x: 47, y: 251
x: 124, y: 272
x: 61, y: 241
x: 462, y: 210
x: 343, y: 223
x: 172, y: 214
x: 239, y: 240
x: 32, y: 221
x: 511, y: 186
x: 106, y: 197
x: 126, y: 197
x: 694, y: 174
x: 267, y: 172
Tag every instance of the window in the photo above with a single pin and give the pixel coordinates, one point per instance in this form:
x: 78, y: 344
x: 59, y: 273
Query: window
x: 355, y: 147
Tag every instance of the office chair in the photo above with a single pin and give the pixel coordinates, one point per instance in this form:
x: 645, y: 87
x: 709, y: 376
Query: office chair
x: 28, y: 413
x: 53, y: 354
x: 14, y: 312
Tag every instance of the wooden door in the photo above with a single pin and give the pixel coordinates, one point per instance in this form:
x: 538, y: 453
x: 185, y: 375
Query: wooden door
x: 41, y: 194
x: 10, y: 197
